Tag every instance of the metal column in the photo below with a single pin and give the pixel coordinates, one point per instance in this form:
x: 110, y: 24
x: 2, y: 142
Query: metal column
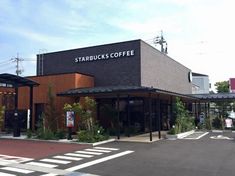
x: 171, y: 110
x: 118, y: 125
x: 128, y: 116
x: 159, y: 116
x: 150, y: 118
x: 31, y: 108
x: 16, y: 125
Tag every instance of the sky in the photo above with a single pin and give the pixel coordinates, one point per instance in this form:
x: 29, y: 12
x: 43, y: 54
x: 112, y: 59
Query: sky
x: 200, y: 33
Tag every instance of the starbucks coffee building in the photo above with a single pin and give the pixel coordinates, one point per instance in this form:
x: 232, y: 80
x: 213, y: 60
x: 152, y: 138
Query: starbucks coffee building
x: 131, y: 63
x: 132, y: 78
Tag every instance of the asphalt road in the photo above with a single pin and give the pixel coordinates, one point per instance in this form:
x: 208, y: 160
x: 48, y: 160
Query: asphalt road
x: 211, y: 155
x: 202, y: 157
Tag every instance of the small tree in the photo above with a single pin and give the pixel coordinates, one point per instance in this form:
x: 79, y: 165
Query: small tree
x: 51, y: 115
x: 2, y: 111
x: 183, y: 121
x: 85, y: 111
x: 222, y: 87
x: 89, y: 130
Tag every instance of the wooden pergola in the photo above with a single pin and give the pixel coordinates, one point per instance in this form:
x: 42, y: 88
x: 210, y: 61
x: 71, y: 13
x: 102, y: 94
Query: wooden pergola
x: 14, y: 81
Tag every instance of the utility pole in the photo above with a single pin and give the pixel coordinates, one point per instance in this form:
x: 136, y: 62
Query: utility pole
x: 161, y: 41
x: 18, y: 60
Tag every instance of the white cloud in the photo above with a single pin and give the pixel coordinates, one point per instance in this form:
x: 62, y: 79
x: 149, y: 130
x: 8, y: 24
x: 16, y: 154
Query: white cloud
x: 200, y: 33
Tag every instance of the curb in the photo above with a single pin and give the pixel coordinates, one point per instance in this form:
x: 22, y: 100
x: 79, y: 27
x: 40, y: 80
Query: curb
x: 97, y: 143
x: 180, y: 135
x: 222, y: 131
x: 64, y: 141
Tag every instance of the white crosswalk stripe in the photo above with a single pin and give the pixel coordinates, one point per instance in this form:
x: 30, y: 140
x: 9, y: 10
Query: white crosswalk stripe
x: 5, y: 174
x: 42, y: 164
x: 55, y: 161
x: 6, y: 159
x: 3, y: 163
x: 24, y: 171
x: 49, y: 165
x: 106, y: 148
x: 79, y: 155
x: 84, y: 165
x: 67, y: 158
x: 92, y: 153
x: 98, y: 150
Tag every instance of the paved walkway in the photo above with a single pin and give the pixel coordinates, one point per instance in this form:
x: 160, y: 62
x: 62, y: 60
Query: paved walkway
x: 34, y: 148
x: 144, y: 137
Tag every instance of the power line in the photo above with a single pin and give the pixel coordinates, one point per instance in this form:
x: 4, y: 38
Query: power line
x: 6, y: 61
x: 30, y: 60
x: 19, y: 65
x: 9, y: 67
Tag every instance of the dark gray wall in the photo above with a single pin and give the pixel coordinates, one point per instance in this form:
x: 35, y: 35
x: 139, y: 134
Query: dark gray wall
x: 162, y: 72
x: 110, y: 72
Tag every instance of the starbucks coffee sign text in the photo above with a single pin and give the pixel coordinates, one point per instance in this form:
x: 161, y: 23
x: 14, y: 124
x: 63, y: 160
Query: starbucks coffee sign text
x: 105, y: 56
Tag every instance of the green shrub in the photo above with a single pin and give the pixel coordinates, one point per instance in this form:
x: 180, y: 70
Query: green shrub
x: 48, y: 134
x: 60, y: 134
x: 172, y: 131
x: 85, y: 136
x: 2, y: 111
x: 29, y: 133
x: 183, y: 120
x: 94, y: 135
x: 208, y: 123
x: 216, y: 123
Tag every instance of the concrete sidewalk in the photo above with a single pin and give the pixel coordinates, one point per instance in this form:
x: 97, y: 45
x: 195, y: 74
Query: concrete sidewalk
x: 145, y: 138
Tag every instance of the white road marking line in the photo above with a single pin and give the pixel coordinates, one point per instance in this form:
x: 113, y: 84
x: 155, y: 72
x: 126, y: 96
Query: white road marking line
x: 92, y: 153
x: 67, y: 158
x: 198, y: 136
x: 217, y: 131
x: 76, y: 173
x: 202, y: 135
x: 221, y: 137
x: 42, y: 164
x: 55, y: 161
x: 40, y: 169
x: 98, y: 150
x: 98, y: 161
x: 14, y: 158
x: 5, y: 174
x: 24, y: 171
x: 78, y: 155
x: 106, y: 148
x: 49, y: 174
x: 3, y: 163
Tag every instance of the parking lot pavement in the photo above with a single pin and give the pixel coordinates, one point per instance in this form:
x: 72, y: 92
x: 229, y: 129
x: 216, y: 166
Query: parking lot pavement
x: 211, y: 155
x: 204, y: 157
